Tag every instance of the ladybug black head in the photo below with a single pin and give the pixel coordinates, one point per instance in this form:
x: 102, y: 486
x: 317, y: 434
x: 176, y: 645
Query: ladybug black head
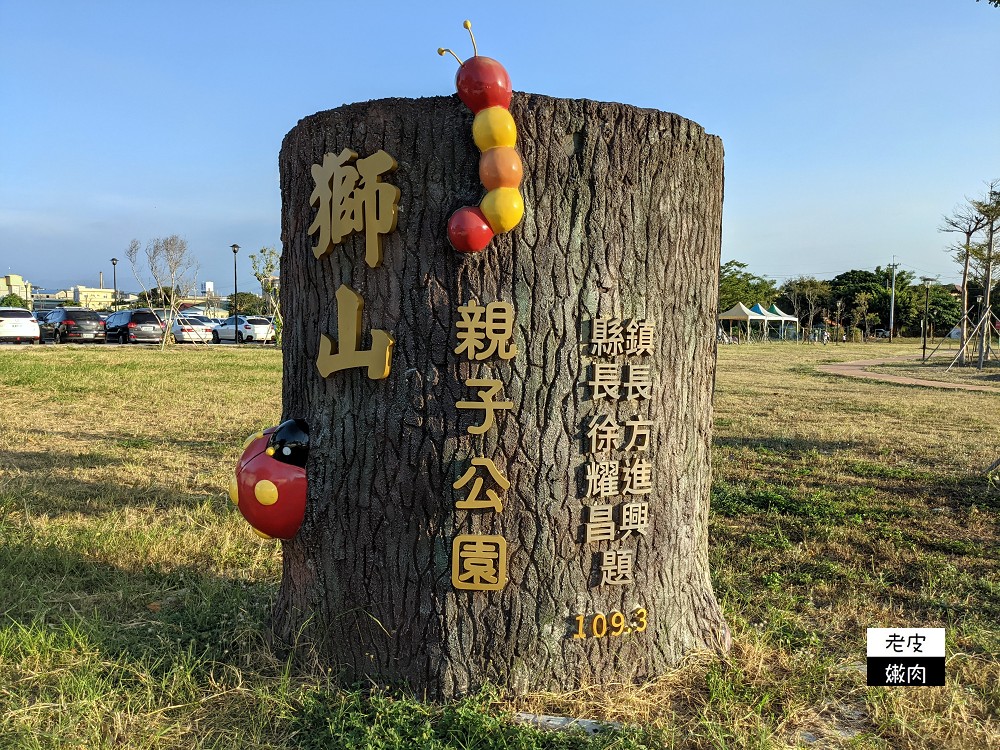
x: 289, y: 443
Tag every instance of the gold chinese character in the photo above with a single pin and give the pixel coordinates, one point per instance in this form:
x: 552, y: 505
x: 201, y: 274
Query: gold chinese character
x: 350, y: 197
x: 500, y: 330
x: 471, y: 328
x: 606, y: 337
x: 600, y: 526
x: 639, y: 338
x: 479, y: 562
x: 637, y: 478
x: 634, y: 517
x: 603, y: 431
x: 487, y: 403
x: 493, y: 324
x: 331, y: 359
x: 638, y: 433
x: 606, y: 381
x: 602, y: 478
x: 472, y: 501
x: 616, y: 567
x: 639, y: 383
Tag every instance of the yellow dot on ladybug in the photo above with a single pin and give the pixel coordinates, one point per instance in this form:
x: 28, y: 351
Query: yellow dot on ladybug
x: 494, y: 127
x: 255, y: 436
x: 234, y: 490
x: 265, y: 492
x: 503, y: 209
x: 270, y: 450
x: 261, y: 534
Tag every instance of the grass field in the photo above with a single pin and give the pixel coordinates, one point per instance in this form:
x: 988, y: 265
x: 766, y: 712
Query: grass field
x: 134, y: 599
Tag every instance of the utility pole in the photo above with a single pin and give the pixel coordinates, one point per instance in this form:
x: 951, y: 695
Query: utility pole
x: 892, y: 299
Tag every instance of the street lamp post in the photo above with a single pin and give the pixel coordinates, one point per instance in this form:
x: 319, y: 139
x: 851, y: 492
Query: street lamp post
x: 236, y: 308
x: 114, y: 273
x: 927, y: 296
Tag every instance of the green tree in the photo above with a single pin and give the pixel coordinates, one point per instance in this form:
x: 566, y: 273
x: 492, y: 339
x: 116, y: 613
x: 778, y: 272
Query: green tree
x: 736, y: 284
x: 944, y: 309
x: 848, y: 285
x: 158, y: 296
x: 13, y: 300
x: 861, y: 316
x: 248, y: 303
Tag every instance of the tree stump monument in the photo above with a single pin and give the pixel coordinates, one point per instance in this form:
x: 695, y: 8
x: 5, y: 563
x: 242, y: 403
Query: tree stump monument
x: 523, y: 498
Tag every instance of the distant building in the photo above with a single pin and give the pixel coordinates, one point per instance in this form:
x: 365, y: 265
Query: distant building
x: 208, y: 289
x: 45, y: 301
x: 95, y: 298
x: 14, y: 284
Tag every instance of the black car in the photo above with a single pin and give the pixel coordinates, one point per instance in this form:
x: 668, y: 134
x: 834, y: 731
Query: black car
x: 65, y: 324
x: 140, y: 326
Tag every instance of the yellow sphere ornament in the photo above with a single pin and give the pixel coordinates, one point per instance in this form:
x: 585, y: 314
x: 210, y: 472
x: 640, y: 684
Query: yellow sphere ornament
x: 265, y: 492
x: 503, y: 209
x: 494, y: 127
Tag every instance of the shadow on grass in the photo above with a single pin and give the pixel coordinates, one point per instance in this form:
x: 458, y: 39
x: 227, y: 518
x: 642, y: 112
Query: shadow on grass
x: 149, y: 615
x: 794, y: 447
x: 131, y: 441
x: 98, y: 481
x: 83, y: 630
x: 810, y: 478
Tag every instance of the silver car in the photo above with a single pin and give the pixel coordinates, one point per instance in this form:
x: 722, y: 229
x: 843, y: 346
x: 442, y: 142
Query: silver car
x: 191, y: 330
x: 18, y: 325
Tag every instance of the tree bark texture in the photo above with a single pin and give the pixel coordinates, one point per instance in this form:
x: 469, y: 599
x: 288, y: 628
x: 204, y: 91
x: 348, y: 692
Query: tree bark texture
x: 623, y: 220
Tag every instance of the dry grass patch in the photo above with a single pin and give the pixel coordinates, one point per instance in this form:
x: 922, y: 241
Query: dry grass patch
x: 136, y: 600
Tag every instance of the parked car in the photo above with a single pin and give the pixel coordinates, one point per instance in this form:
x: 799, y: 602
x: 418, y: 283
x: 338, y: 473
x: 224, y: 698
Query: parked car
x: 253, y: 328
x: 135, y: 326
x: 191, y: 330
x: 18, y: 325
x: 65, y: 324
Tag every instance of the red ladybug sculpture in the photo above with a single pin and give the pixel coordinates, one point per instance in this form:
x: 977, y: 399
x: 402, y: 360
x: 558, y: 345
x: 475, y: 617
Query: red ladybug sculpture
x: 269, y: 486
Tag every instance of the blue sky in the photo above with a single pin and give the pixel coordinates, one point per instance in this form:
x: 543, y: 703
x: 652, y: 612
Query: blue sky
x: 849, y: 127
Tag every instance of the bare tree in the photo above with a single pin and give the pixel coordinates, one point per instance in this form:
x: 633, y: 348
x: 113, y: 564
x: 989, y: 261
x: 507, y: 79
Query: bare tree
x: 793, y: 292
x: 965, y: 220
x: 807, y: 294
x: 989, y: 209
x: 169, y: 262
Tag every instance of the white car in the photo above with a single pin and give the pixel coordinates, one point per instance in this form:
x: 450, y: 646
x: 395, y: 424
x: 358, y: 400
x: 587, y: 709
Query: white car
x: 191, y: 330
x: 252, y: 328
x: 18, y: 325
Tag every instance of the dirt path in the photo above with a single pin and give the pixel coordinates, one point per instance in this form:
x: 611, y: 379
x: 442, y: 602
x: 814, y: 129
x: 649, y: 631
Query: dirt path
x: 859, y: 369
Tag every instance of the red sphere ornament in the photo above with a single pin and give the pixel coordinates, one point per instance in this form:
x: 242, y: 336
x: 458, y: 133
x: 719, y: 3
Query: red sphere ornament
x: 270, y: 494
x: 483, y: 82
x: 468, y: 230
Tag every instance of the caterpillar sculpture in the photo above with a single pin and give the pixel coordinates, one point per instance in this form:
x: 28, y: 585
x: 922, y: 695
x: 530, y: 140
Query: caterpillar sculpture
x: 484, y: 87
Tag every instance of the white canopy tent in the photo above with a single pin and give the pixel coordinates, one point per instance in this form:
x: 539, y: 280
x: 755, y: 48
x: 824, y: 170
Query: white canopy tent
x: 777, y: 316
x: 742, y: 314
x: 767, y: 317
